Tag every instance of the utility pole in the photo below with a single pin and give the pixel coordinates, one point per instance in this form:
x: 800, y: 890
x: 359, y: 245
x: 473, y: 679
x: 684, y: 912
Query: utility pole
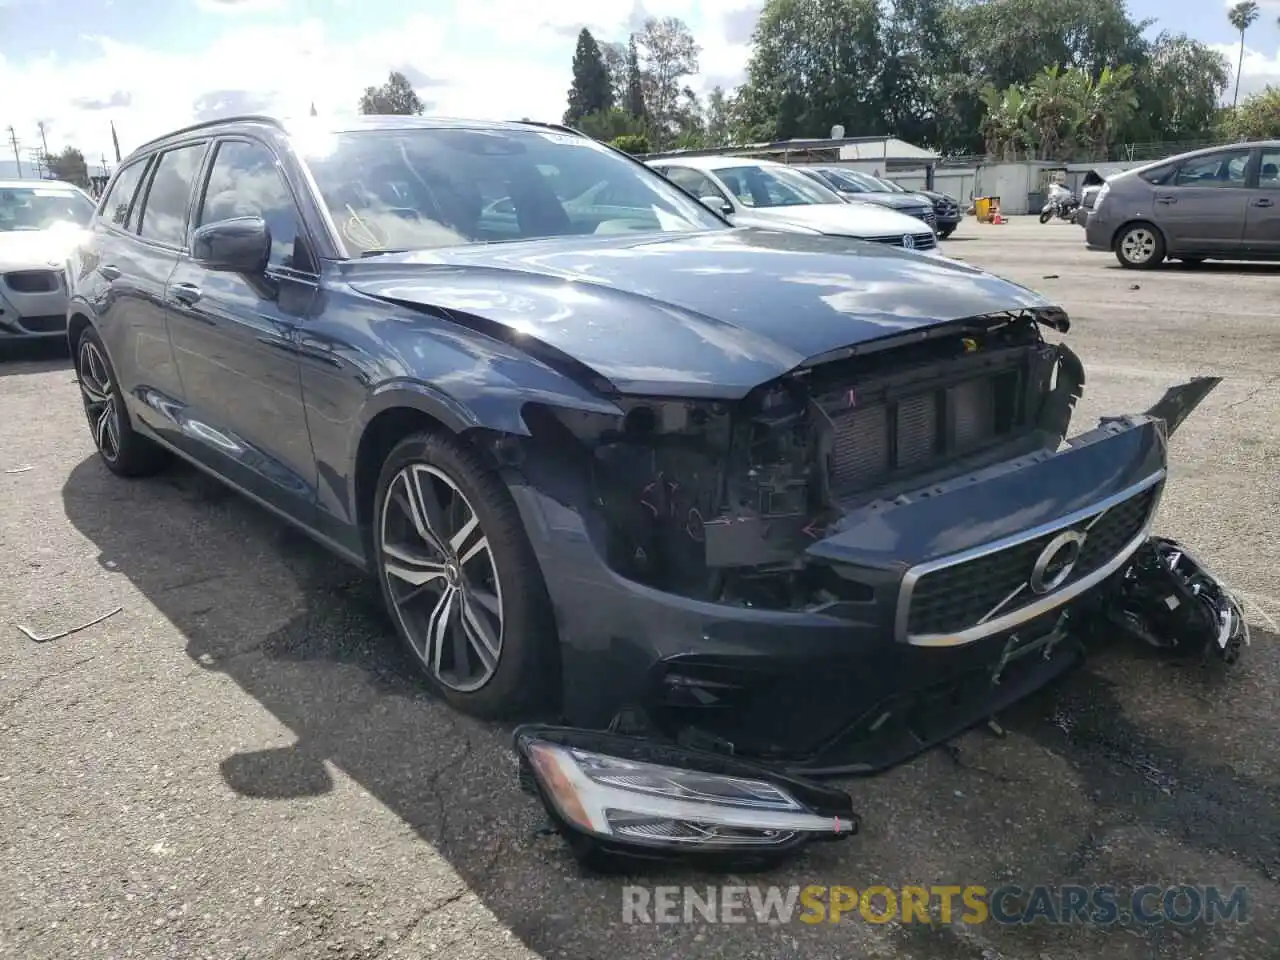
x: 43, y: 140
x: 17, y: 159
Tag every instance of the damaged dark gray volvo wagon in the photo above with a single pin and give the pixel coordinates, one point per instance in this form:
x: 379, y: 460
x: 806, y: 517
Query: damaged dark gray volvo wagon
x: 738, y: 508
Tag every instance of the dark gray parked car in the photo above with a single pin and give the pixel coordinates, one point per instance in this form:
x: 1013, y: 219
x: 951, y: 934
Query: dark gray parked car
x: 1216, y: 204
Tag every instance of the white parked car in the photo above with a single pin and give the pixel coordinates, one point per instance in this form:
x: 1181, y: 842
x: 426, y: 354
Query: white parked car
x: 41, y: 222
x: 772, y: 196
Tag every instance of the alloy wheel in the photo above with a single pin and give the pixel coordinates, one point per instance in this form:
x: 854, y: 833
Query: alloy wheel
x: 1138, y: 246
x: 442, y: 578
x: 100, y: 403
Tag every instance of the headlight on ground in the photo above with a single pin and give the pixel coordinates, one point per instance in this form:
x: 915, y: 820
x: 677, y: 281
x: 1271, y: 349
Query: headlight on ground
x: 629, y: 806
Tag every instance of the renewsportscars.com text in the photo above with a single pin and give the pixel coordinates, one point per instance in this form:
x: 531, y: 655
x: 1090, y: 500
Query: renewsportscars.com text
x: 1182, y: 904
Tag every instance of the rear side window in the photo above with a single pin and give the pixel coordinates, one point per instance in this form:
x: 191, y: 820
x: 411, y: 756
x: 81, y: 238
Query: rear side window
x: 693, y: 182
x: 164, y: 215
x: 119, y: 199
x: 244, y: 182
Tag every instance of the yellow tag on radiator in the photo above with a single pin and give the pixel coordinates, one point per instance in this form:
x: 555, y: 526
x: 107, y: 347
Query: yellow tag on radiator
x: 970, y: 345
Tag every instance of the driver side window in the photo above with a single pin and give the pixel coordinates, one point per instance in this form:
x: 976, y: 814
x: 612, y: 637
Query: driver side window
x: 1225, y: 169
x: 244, y: 182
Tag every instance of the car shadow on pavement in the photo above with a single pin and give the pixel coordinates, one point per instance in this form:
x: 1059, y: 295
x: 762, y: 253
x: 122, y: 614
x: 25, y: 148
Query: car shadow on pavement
x: 33, y: 356
x: 305, y: 636
x: 1211, y: 266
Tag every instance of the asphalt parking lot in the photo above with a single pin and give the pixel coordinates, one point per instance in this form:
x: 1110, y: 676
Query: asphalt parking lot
x: 238, y: 763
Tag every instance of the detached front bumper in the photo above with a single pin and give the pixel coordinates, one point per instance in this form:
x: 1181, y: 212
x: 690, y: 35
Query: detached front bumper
x: 978, y: 591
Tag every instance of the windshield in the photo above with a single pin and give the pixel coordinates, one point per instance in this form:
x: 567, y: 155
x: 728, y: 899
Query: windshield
x: 39, y: 208
x: 868, y: 182
x: 425, y: 188
x: 774, y: 187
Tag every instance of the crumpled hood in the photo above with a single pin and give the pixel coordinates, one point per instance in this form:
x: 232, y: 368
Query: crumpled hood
x: 837, y: 219
x: 38, y: 249
x: 709, y: 314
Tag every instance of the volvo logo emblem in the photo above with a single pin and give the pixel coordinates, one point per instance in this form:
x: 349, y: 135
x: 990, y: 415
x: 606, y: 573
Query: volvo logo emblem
x: 909, y: 242
x: 1056, y: 561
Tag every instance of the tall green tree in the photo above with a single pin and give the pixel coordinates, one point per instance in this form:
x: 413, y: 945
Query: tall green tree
x: 1242, y: 16
x: 396, y: 96
x: 814, y: 64
x: 635, y: 81
x: 718, y: 120
x: 615, y: 61
x: 1179, y: 84
x: 69, y: 165
x: 592, y: 88
x: 667, y: 53
x: 1258, y: 118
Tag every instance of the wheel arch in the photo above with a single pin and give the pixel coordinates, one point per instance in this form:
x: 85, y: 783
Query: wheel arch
x: 78, y: 320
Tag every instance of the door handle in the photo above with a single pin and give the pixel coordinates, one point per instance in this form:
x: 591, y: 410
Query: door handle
x: 109, y: 271
x: 1264, y: 202
x: 186, y: 293
x: 1166, y: 199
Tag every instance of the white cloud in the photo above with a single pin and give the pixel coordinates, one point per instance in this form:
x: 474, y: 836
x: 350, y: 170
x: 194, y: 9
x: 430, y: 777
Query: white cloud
x: 501, y: 59
x: 1257, y: 71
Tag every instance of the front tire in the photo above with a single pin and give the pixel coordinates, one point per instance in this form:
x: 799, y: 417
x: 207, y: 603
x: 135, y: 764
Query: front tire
x: 1046, y: 216
x: 946, y: 232
x: 460, y: 580
x: 1140, y: 246
x: 125, y: 452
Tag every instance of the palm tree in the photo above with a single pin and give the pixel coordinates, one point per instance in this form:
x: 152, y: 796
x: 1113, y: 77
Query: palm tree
x: 1242, y: 16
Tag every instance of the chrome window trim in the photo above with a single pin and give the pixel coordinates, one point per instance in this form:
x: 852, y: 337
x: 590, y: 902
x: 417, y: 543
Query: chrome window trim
x: 1044, y: 604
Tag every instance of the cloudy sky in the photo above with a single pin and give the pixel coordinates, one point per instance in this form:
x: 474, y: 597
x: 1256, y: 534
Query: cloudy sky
x: 152, y: 65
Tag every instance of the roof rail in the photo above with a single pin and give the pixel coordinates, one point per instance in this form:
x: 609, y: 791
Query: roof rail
x: 242, y: 118
x: 564, y: 128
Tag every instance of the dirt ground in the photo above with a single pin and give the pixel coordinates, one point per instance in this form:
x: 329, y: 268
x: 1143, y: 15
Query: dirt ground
x: 239, y: 764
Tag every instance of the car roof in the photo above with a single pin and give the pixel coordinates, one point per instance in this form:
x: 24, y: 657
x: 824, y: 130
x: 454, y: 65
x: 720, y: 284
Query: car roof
x: 713, y: 163
x: 328, y: 125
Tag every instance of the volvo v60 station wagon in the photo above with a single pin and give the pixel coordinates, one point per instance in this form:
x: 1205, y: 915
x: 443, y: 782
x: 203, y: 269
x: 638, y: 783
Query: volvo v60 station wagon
x: 792, y: 495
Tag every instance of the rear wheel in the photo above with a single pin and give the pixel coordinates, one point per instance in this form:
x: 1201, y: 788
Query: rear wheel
x: 460, y: 579
x: 124, y: 451
x: 1140, y: 246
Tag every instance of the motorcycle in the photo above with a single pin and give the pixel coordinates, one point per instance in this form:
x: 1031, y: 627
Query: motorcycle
x: 1062, y: 203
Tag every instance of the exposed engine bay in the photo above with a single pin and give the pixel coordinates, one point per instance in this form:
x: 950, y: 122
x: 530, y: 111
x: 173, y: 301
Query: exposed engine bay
x: 719, y: 500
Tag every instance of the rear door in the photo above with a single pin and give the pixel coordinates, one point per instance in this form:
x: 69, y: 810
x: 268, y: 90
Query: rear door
x: 1262, y: 218
x: 124, y: 275
x: 1202, y: 208
x: 235, y: 335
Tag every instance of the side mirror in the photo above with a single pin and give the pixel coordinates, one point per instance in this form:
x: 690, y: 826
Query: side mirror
x: 240, y: 245
x: 717, y: 205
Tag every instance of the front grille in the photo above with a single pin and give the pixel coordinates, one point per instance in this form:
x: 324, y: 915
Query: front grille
x: 923, y: 241
x: 955, y: 598
x: 946, y: 209
x: 928, y: 216
x: 33, y: 281
x: 53, y: 323
x: 871, y: 443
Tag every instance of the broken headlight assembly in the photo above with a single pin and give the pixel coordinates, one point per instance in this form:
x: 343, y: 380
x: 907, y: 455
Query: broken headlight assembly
x: 617, y: 798
x: 1168, y: 599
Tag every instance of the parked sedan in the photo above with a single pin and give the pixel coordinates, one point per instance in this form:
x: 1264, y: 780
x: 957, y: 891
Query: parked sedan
x: 775, y: 196
x: 740, y: 497
x: 946, y: 208
x: 40, y: 222
x: 1216, y: 204
x: 859, y: 187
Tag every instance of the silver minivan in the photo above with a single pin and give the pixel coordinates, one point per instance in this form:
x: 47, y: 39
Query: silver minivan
x: 1217, y: 204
